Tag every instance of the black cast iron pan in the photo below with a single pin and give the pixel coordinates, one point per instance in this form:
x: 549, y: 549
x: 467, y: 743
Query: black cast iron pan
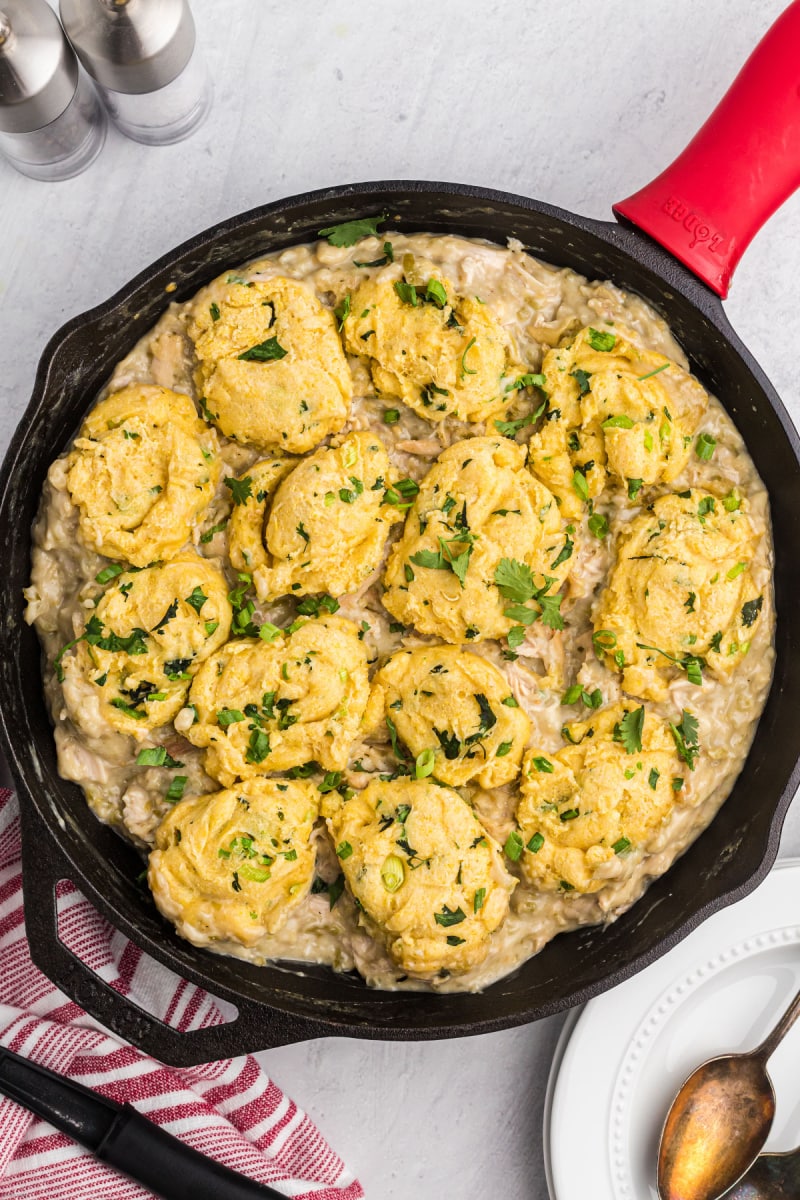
x: 278, y: 1004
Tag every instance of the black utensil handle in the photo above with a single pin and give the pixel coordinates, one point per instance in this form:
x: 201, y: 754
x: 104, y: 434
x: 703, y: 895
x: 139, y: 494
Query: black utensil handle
x: 120, y: 1136
x: 256, y: 1027
x: 170, y: 1168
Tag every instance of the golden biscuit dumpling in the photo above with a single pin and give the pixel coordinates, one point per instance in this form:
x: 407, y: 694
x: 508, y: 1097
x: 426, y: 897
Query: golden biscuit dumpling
x: 264, y: 707
x: 252, y: 496
x: 271, y: 369
x: 615, y: 409
x: 441, y: 353
x: 149, y: 633
x: 680, y: 596
x: 429, y: 880
x: 453, y: 708
x: 142, y: 470
x: 478, y: 511
x: 586, y: 811
x: 327, y: 523
x: 231, y: 866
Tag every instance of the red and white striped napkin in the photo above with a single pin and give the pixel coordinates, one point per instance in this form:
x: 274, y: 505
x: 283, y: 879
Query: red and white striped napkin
x: 228, y: 1110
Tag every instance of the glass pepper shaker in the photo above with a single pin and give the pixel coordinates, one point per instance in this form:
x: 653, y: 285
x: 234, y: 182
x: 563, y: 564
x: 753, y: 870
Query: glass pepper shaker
x: 144, y: 58
x: 52, y: 125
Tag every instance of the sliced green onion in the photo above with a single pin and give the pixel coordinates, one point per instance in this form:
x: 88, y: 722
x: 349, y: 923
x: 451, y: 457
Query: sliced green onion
x: 424, y: 764
x: 393, y: 873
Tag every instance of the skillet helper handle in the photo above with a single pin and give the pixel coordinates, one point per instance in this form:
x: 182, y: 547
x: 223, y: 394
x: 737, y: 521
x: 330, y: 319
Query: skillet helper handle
x: 257, y: 1026
x: 737, y: 170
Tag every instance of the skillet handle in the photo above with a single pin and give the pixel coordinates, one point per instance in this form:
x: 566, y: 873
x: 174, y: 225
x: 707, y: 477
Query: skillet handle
x: 258, y: 1026
x: 738, y: 169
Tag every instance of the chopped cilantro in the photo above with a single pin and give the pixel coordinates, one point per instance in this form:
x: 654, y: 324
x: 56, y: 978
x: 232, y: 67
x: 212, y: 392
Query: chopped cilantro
x: 266, y: 351
x: 582, y: 379
x: 196, y: 599
x: 564, y: 553
x: 349, y: 232
x: 685, y: 736
x: 258, y: 746
x: 241, y: 489
x: 750, y: 610
x: 387, y: 257
x: 450, y: 916
x: 342, y: 311
x: 312, y: 606
x: 628, y: 731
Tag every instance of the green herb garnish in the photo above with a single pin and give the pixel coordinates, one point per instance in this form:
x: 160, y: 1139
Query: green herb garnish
x: 267, y: 351
x: 628, y: 731
x: 349, y: 232
x: 241, y: 489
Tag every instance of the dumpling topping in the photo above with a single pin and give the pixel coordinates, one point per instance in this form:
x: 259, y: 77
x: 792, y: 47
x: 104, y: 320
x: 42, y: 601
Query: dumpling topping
x: 271, y: 371
x: 142, y: 470
x: 269, y: 706
x: 680, y: 597
x: 326, y: 524
x: 147, y: 637
x: 428, y: 879
x: 587, y: 813
x: 455, y: 713
x: 484, y: 550
x: 612, y: 409
x: 442, y: 354
x: 231, y: 866
x: 252, y: 497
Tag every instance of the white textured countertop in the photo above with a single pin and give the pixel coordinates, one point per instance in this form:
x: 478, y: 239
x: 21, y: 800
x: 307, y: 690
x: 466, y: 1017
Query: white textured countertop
x: 565, y: 100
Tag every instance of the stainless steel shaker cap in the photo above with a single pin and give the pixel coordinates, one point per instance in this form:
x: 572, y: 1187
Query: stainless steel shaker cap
x: 38, y: 71
x: 131, y: 46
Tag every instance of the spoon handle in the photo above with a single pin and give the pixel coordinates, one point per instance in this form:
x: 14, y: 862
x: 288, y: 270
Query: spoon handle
x: 773, y: 1039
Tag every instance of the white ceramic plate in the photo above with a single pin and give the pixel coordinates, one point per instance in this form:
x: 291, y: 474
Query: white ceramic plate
x: 622, y: 1058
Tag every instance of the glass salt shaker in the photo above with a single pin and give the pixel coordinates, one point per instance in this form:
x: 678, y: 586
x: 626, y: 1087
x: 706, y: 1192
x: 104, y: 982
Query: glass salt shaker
x: 52, y: 125
x: 144, y: 58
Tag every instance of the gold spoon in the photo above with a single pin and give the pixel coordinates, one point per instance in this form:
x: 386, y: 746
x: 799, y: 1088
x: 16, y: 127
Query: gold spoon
x: 719, y: 1121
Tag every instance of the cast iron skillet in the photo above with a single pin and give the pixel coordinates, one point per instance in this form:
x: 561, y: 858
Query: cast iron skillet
x: 277, y: 1004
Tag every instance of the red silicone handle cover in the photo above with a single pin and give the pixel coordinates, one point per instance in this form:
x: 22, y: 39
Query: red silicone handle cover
x: 744, y: 162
